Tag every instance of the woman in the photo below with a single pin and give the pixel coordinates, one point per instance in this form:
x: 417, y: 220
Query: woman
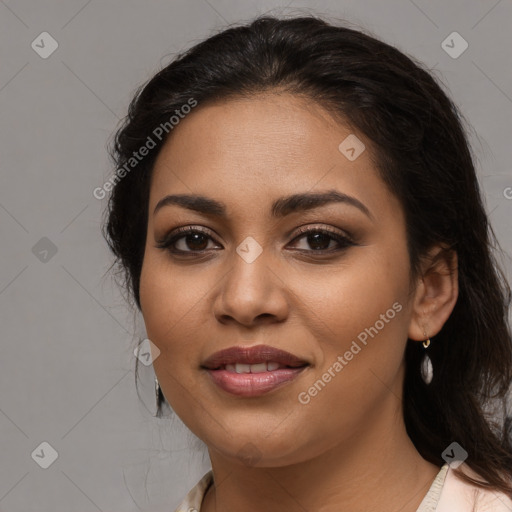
x: 297, y: 216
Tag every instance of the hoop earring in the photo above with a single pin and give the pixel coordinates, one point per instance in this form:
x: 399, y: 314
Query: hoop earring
x: 158, y: 394
x: 427, y: 371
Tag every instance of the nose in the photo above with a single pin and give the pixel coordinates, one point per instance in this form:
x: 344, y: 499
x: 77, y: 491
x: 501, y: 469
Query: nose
x: 251, y: 293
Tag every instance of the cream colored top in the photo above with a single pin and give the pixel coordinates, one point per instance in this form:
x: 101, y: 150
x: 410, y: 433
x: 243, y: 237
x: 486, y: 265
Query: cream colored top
x: 446, y: 494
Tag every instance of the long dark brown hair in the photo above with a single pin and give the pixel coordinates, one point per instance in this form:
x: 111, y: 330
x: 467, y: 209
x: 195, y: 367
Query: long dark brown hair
x: 421, y: 150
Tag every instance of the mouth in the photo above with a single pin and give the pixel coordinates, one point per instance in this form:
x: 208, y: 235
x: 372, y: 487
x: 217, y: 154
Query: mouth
x: 253, y: 371
x: 264, y: 366
x: 251, y: 359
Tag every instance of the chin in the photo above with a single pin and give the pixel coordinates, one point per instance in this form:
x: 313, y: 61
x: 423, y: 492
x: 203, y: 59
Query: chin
x: 251, y: 447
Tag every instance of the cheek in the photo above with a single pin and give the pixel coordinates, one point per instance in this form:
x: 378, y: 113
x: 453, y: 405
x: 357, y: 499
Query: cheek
x: 359, y: 318
x: 352, y: 295
x: 165, y: 288
x: 168, y: 302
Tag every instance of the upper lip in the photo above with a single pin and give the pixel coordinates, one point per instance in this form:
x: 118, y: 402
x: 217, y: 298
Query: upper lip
x: 252, y: 355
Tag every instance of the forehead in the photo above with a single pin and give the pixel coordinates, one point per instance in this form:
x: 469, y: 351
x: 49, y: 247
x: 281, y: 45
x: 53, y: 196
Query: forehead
x: 254, y: 149
x: 251, y: 132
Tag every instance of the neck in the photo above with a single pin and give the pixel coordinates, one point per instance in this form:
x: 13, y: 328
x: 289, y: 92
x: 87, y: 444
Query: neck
x: 376, y: 469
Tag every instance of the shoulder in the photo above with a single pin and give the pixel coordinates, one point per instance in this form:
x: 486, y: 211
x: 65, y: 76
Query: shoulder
x: 458, y: 495
x: 194, y: 498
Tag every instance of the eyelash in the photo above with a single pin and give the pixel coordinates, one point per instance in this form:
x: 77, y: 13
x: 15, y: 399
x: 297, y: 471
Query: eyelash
x: 169, y: 240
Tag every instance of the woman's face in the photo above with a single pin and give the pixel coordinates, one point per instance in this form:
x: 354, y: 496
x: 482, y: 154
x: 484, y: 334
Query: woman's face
x: 251, y: 278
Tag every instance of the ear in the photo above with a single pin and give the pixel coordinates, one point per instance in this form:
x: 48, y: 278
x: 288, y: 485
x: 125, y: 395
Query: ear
x: 435, y: 294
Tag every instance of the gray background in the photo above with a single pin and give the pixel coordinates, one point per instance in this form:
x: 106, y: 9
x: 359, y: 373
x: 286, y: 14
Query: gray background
x: 67, y: 362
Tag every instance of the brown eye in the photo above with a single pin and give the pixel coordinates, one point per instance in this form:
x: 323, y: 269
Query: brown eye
x: 319, y: 240
x: 190, y: 240
x: 194, y: 241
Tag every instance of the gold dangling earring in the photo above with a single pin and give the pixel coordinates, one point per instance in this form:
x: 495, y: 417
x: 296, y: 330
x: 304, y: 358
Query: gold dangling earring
x: 427, y: 371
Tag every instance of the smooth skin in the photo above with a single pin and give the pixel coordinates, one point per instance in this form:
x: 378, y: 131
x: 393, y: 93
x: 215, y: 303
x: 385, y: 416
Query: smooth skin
x: 347, y: 448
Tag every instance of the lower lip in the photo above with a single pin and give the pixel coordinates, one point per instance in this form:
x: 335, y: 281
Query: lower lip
x: 253, y: 384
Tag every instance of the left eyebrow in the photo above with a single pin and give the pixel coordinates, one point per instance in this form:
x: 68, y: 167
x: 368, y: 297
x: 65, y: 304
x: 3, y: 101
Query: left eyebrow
x: 280, y: 208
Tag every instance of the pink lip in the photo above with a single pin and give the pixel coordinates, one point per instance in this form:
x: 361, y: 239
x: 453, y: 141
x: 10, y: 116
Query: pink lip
x: 252, y: 355
x: 253, y: 384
